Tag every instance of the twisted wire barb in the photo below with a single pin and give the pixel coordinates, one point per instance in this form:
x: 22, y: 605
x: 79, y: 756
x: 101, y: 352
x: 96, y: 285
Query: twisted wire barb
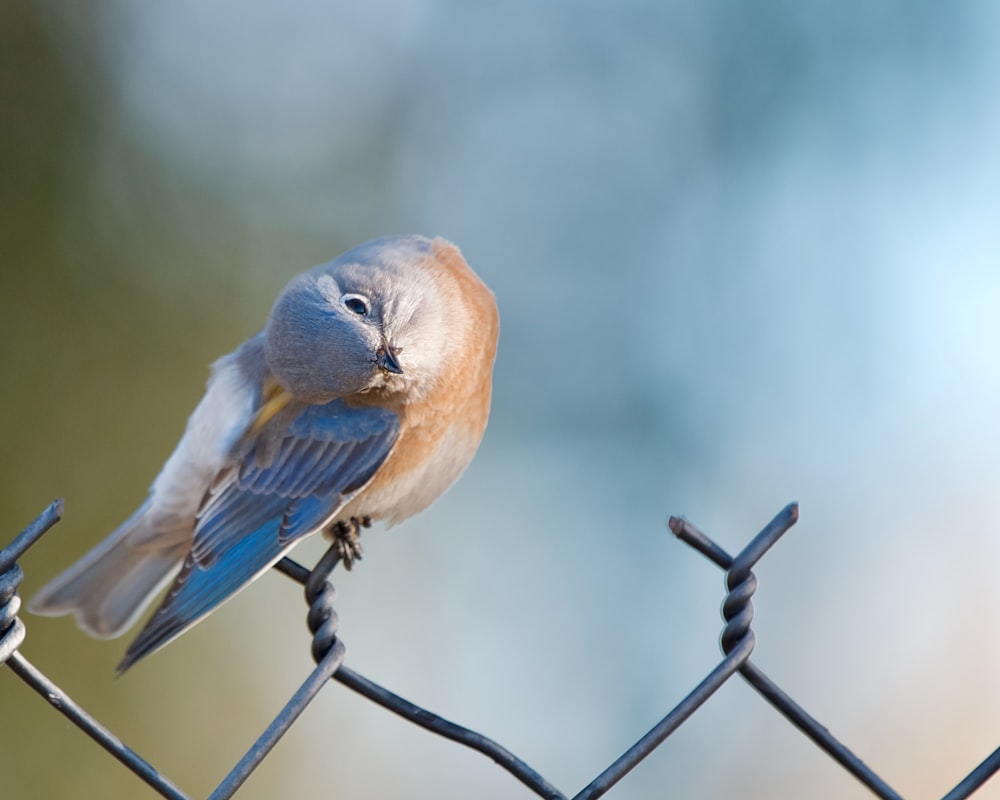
x: 322, y: 619
x: 12, y: 630
x: 328, y: 651
x: 737, y: 638
x: 13, y: 636
x: 737, y: 642
x: 737, y: 610
x: 320, y: 595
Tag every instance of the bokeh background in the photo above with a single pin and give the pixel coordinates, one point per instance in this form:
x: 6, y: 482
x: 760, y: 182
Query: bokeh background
x: 744, y: 254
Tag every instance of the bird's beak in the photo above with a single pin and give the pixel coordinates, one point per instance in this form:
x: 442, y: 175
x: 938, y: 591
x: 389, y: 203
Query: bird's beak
x: 387, y: 359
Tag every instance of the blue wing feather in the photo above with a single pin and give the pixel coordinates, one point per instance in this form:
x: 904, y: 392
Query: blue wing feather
x: 328, y: 453
x: 197, y: 591
x: 307, y: 513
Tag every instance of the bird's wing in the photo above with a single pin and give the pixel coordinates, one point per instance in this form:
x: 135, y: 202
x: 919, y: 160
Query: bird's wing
x: 257, y: 511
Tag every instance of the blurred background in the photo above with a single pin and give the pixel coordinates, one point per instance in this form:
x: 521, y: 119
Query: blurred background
x: 744, y: 254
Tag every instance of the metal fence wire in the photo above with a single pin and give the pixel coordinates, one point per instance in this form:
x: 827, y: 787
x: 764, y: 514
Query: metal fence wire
x: 328, y: 651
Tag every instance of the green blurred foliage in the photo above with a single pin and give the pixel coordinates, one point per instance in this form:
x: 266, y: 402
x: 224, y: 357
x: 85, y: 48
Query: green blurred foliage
x: 112, y: 305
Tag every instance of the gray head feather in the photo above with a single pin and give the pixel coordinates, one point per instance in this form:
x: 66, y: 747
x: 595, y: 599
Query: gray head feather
x: 329, y: 326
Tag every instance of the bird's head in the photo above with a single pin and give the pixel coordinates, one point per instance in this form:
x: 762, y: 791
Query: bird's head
x: 378, y: 318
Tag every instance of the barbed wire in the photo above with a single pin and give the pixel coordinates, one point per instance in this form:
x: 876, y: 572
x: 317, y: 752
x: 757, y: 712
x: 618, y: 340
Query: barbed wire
x: 328, y: 651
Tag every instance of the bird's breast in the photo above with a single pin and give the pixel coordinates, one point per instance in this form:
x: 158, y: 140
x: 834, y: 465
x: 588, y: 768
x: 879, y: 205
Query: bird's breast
x: 428, y: 457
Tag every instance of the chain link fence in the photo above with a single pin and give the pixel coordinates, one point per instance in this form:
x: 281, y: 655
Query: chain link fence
x: 328, y: 651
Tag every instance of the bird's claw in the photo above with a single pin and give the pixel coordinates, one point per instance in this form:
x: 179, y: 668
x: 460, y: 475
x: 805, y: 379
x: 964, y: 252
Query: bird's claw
x: 347, y: 540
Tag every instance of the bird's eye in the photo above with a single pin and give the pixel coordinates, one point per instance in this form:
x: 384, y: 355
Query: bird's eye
x: 356, y: 303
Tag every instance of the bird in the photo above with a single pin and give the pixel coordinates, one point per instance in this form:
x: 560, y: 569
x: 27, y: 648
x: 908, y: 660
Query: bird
x: 363, y: 398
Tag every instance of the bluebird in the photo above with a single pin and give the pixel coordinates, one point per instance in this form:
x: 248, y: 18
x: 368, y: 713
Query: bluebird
x: 364, y: 398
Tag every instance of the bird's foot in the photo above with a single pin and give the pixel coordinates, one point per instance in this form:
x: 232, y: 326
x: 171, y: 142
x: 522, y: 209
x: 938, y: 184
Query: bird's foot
x: 347, y: 539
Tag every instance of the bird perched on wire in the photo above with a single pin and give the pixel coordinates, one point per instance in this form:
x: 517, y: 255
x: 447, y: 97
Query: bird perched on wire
x: 363, y: 398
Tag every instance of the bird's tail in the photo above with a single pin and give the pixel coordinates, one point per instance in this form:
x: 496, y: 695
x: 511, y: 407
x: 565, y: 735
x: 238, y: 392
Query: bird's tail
x: 110, y: 586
